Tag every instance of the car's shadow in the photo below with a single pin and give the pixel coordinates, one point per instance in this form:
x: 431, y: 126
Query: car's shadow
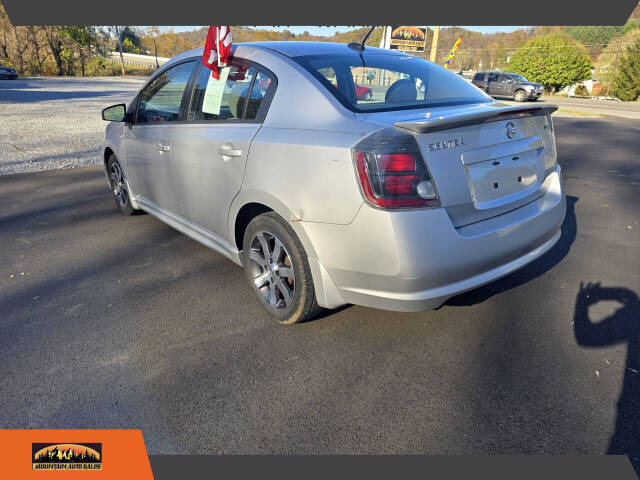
x: 529, y: 272
x: 623, y: 326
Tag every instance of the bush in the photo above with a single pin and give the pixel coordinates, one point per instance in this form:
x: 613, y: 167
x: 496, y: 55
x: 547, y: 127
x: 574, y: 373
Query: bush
x: 100, y: 67
x: 582, y: 91
x: 555, y: 61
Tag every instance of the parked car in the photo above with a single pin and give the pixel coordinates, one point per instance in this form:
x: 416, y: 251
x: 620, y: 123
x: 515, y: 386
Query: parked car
x: 7, y: 73
x: 396, y: 204
x: 363, y: 93
x: 511, y: 85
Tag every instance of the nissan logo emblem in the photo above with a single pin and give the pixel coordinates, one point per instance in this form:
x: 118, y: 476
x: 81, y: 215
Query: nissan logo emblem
x: 510, y: 130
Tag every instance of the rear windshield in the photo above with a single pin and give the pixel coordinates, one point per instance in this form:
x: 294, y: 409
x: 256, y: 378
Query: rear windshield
x: 379, y: 82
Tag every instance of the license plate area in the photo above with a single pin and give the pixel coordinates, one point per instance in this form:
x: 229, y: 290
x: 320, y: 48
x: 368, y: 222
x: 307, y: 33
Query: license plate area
x: 504, y: 179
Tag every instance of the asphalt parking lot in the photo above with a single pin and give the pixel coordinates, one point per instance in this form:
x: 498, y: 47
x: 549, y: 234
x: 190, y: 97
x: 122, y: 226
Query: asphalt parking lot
x: 122, y: 322
x: 110, y: 321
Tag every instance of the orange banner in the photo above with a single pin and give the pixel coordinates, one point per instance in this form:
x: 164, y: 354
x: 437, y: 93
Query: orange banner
x: 97, y: 454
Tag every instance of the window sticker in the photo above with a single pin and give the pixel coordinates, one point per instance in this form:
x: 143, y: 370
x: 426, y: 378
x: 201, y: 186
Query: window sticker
x: 213, y: 94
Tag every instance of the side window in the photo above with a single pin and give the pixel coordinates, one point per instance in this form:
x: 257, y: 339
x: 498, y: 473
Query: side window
x: 479, y: 77
x: 160, y: 101
x: 258, y: 92
x: 493, y: 77
x: 224, y: 98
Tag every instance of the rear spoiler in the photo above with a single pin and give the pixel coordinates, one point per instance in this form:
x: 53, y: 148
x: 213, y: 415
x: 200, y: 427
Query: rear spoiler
x: 465, y: 118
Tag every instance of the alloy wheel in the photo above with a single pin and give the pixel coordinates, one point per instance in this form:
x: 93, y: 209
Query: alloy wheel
x: 118, y: 185
x: 271, y: 269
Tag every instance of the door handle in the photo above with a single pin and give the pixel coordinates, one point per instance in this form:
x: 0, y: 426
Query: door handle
x: 163, y: 148
x: 229, y: 152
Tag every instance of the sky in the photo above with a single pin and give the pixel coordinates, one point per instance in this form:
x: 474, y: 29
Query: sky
x: 315, y: 30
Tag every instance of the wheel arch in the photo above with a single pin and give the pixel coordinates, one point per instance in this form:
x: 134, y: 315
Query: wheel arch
x: 250, y: 203
x: 243, y: 210
x: 247, y: 212
x: 108, y: 151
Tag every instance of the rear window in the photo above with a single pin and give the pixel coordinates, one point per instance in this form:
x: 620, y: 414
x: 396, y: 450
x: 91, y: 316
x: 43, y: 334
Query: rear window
x: 378, y: 82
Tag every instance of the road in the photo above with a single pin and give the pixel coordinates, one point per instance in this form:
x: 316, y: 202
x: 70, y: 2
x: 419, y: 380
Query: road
x: 119, y: 322
x: 577, y: 106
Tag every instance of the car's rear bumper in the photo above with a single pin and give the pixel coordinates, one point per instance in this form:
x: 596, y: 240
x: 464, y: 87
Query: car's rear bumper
x: 416, y: 259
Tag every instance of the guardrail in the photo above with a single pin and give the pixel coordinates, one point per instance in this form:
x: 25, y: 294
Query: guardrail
x: 136, y: 59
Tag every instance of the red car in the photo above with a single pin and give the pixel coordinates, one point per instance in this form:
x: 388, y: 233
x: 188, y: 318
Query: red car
x: 363, y: 93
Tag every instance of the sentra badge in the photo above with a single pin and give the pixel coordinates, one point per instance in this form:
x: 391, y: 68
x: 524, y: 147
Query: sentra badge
x: 444, y: 144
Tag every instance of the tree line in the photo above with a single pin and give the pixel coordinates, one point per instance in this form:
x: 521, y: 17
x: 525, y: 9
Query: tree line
x: 61, y: 50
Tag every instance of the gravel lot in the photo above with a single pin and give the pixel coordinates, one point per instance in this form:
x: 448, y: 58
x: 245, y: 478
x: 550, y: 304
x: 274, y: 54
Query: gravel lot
x: 51, y: 123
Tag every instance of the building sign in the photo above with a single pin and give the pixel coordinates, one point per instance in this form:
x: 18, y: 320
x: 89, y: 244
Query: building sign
x: 408, y: 39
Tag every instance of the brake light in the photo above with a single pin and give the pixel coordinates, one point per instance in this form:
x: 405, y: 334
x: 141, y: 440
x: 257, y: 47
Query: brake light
x: 396, y: 162
x: 392, y: 172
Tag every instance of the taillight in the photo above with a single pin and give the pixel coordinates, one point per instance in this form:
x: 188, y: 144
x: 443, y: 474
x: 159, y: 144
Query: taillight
x: 392, y: 172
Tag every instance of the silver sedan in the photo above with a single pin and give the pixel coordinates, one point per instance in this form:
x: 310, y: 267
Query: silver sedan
x: 397, y: 200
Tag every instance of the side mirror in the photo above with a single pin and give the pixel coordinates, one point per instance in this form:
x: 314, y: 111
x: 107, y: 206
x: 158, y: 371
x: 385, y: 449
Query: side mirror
x: 115, y: 113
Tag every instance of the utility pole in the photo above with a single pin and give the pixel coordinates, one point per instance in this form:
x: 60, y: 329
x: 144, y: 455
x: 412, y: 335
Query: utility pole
x: 434, y: 43
x: 120, y: 49
x: 155, y: 45
x: 383, y: 39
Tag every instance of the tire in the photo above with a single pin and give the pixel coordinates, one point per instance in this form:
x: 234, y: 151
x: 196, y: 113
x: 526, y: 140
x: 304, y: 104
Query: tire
x: 520, y: 96
x: 367, y: 96
x: 264, y: 271
x: 119, y: 187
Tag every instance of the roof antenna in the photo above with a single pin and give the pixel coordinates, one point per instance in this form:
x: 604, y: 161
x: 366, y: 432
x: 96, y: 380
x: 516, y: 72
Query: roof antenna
x: 360, y: 46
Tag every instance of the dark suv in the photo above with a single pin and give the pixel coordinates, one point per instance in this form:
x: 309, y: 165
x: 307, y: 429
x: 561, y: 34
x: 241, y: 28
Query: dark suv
x: 511, y: 85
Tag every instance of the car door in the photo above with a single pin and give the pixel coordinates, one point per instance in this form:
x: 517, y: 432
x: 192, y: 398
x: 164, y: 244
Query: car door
x: 147, y: 141
x: 210, y: 149
x: 494, y: 84
x: 506, y: 85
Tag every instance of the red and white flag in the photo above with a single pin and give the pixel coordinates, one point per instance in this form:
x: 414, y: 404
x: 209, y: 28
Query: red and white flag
x: 217, y: 49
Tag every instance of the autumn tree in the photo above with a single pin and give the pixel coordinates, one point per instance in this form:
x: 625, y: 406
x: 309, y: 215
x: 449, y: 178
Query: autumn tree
x: 83, y: 38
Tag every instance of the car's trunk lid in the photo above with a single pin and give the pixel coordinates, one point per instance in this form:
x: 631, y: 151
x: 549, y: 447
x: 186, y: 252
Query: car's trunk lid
x: 485, y: 159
